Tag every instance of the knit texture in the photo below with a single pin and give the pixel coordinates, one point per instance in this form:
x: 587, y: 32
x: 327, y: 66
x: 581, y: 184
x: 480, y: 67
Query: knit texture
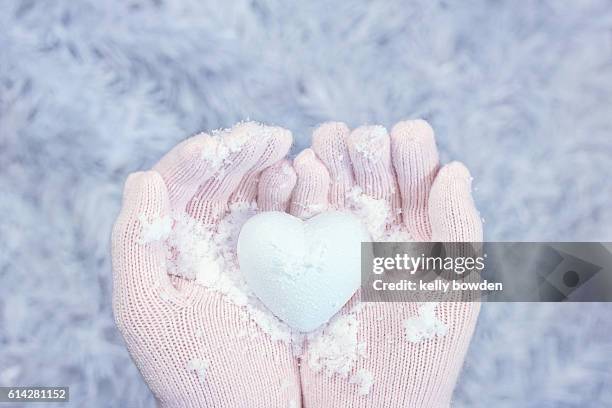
x: 187, y: 340
x: 404, y: 374
x: 275, y: 187
x: 310, y: 196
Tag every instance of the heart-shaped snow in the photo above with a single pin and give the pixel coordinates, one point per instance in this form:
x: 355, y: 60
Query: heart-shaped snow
x: 303, y: 271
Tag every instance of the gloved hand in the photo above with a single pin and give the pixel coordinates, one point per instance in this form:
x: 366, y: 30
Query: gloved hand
x: 184, y: 339
x: 161, y: 318
x: 392, y: 367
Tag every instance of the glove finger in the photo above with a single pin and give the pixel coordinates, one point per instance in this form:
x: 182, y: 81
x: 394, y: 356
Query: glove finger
x: 275, y: 187
x: 452, y: 212
x: 138, y: 250
x: 310, y: 196
x: 278, y: 146
x: 415, y: 159
x: 231, y: 153
x: 370, y: 151
x: 329, y: 142
x: 184, y: 169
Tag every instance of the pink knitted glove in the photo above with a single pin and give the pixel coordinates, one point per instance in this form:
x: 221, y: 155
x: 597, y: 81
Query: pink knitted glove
x: 396, y: 361
x: 184, y: 339
x: 161, y: 319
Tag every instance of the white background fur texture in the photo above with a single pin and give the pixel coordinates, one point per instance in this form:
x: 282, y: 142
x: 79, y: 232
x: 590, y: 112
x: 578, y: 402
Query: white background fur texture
x: 92, y: 90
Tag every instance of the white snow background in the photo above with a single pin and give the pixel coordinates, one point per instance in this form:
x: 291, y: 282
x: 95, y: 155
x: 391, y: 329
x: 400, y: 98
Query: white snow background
x: 93, y: 90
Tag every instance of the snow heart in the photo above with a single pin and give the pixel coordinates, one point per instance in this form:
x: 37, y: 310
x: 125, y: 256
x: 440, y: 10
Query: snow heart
x: 303, y: 271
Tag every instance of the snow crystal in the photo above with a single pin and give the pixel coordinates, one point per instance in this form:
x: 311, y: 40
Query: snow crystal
x: 261, y: 318
x: 193, y: 254
x: 154, y: 229
x: 426, y: 326
x: 337, y: 348
x: 199, y: 367
x: 221, y: 147
x: 286, y: 384
x: 207, y: 255
x: 375, y: 214
x: 311, y: 210
x: 370, y: 141
x: 364, y: 380
x: 287, y: 170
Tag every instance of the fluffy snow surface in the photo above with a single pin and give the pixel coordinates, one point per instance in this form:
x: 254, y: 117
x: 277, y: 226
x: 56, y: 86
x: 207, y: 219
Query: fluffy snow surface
x: 93, y: 90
